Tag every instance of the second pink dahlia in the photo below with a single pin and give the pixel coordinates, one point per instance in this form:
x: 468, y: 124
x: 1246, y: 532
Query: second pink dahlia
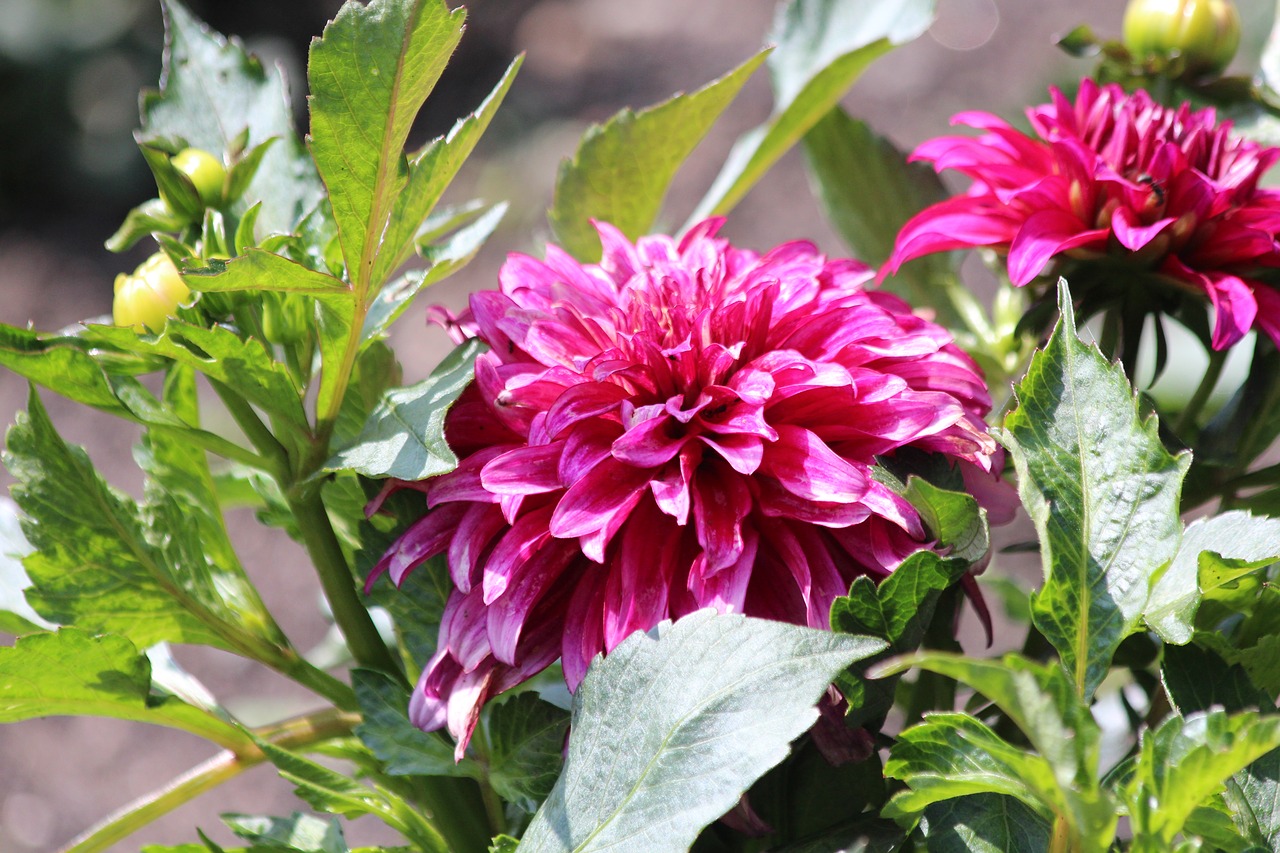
x: 683, y: 425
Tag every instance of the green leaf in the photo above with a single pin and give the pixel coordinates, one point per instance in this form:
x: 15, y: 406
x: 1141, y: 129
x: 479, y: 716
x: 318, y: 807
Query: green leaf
x: 1196, y: 679
x: 823, y: 46
x: 955, y: 519
x: 504, y: 844
x: 430, y: 172
x: 869, y: 191
x: 1041, y: 701
x: 1185, y: 761
x: 806, y: 797
x: 404, y: 749
x: 984, y: 823
x: 1242, y: 544
x: 211, y: 92
x: 1102, y: 492
x: 183, y: 519
x: 73, y: 672
x: 673, y: 726
x: 897, y: 610
x: 955, y: 755
x: 376, y: 370
x: 622, y: 169
x: 94, y: 566
x: 391, y: 52
x: 260, y: 270
x: 525, y: 738
x: 404, y: 437
x: 446, y: 257
x: 298, y: 832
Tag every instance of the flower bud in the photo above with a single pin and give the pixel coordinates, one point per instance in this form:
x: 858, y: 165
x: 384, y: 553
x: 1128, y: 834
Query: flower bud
x: 205, y: 171
x: 1203, y: 33
x: 149, y: 296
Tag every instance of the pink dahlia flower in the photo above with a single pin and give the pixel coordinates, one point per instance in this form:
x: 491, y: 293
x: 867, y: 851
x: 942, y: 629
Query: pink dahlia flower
x: 683, y: 425
x: 1158, y: 189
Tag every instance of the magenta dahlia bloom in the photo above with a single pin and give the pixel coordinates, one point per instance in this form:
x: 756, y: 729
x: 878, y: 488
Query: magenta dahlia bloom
x: 683, y: 425
x: 1169, y: 191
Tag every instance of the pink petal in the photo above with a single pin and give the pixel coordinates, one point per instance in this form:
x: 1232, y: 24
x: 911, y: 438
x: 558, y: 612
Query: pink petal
x: 1043, y: 235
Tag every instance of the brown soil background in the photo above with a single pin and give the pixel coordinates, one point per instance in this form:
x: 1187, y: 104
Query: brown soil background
x: 60, y: 775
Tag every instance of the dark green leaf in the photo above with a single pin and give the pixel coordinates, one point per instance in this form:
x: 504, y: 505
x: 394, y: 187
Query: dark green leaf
x: 259, y: 270
x: 404, y: 749
x: 1242, y: 544
x: 392, y: 53
x: 72, y: 672
x: 94, y: 566
x: 526, y: 740
x: 806, y: 797
x: 869, y: 192
x: 1197, y: 679
x: 298, y: 832
x: 622, y: 169
x: 404, y: 437
x: 898, y: 611
x: 1103, y: 493
x: 430, y: 171
x: 673, y: 726
x: 823, y: 46
x: 984, y: 823
x: 211, y: 91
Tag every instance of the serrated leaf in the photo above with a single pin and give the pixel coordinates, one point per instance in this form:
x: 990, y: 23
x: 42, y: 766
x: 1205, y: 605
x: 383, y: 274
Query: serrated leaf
x: 298, y: 832
x: 391, y: 52
x: 869, y: 191
x: 1041, y: 701
x: 955, y: 519
x: 183, y: 519
x: 375, y: 371
x: 94, y: 566
x: 260, y: 270
x: 1242, y: 543
x: 897, y: 610
x: 823, y: 46
x: 1185, y: 761
x: 984, y: 823
x: 525, y: 738
x: 430, y: 172
x: 673, y: 726
x: 404, y: 749
x: 622, y: 169
x: 1103, y: 494
x: 72, y: 672
x: 404, y: 437
x: 211, y: 91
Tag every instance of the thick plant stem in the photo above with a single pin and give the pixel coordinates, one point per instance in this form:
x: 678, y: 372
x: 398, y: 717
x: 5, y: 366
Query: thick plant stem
x: 291, y: 734
x: 349, y: 612
x: 1187, y: 420
x: 1060, y: 842
x: 458, y: 811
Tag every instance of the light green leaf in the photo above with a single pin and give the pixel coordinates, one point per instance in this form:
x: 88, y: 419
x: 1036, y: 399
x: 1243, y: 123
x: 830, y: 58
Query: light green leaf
x: 955, y: 519
x: 525, y: 737
x: 73, y: 672
x: 430, y: 172
x: 260, y: 270
x: 622, y: 169
x: 984, y: 823
x: 1185, y: 761
x: 376, y: 370
x: 672, y: 727
x: 298, y: 832
x: 823, y: 46
x: 1103, y: 494
x: 404, y: 749
x: 404, y: 437
x: 1242, y: 542
x: 94, y: 566
x: 391, y: 52
x: 212, y: 91
x: 898, y: 610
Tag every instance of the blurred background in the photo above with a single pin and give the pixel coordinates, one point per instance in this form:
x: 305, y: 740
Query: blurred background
x: 70, y: 71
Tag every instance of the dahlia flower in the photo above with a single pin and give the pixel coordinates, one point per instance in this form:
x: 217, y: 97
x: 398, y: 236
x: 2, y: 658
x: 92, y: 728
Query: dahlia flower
x: 1164, y: 190
x: 683, y: 425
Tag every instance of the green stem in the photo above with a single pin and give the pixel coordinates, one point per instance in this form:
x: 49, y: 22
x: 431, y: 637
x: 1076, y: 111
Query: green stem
x: 273, y: 452
x: 226, y: 449
x: 349, y: 611
x: 1187, y: 420
x: 457, y: 810
x: 292, y: 734
x: 1061, y: 840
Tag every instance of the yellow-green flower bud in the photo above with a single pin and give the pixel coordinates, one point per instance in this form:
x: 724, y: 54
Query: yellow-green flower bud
x: 149, y: 296
x: 1204, y: 33
x: 205, y: 171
